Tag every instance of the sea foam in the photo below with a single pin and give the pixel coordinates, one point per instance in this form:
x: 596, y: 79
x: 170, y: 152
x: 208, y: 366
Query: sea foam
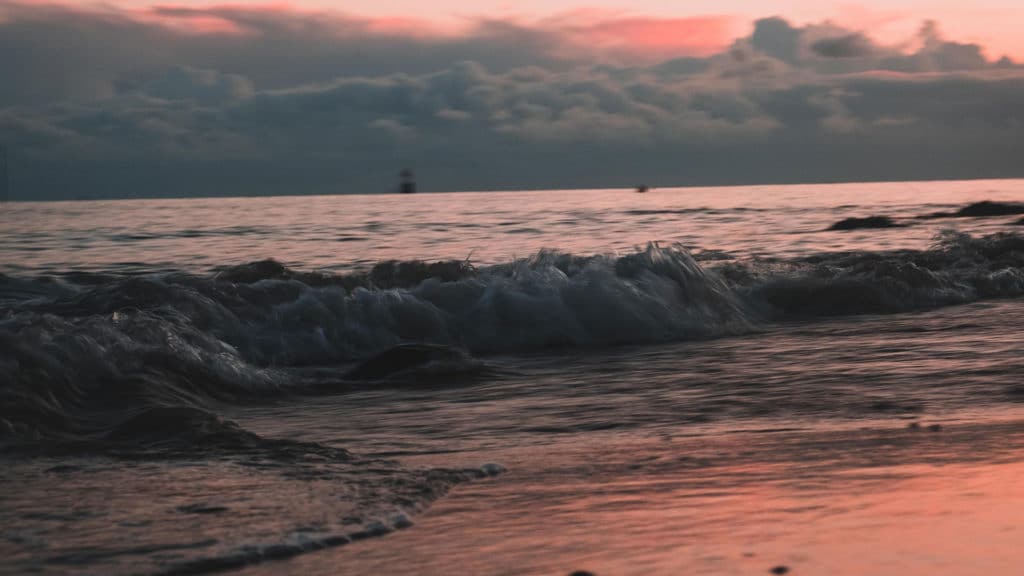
x: 120, y: 346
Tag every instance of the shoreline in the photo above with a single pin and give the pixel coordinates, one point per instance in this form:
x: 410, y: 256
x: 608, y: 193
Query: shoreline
x: 845, y: 502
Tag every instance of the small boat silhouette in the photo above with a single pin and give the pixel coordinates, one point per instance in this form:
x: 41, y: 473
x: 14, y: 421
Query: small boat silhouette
x: 408, y: 182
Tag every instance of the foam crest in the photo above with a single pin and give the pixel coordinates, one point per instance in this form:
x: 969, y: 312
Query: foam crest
x: 81, y: 355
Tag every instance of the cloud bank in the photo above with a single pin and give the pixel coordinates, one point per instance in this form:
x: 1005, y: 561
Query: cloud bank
x: 183, y: 101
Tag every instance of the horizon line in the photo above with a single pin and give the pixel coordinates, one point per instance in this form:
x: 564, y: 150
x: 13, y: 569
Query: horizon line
x: 632, y: 189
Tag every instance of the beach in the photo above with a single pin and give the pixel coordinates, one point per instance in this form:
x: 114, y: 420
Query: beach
x: 704, y: 381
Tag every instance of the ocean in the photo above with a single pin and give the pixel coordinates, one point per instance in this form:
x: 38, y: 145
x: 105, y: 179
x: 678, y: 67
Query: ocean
x: 693, y: 380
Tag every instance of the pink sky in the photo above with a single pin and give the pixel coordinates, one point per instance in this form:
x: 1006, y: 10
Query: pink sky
x: 994, y: 24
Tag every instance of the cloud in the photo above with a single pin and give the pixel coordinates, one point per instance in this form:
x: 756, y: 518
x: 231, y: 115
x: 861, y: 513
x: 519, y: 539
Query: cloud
x: 55, y: 52
x: 777, y: 38
x: 186, y: 83
x: 853, y: 45
x: 283, y: 102
x: 646, y: 38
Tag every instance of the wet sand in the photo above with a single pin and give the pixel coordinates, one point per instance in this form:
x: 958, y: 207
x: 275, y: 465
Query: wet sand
x: 884, y: 499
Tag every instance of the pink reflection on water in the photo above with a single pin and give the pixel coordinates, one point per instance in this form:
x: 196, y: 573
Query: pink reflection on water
x: 341, y: 232
x: 725, y: 504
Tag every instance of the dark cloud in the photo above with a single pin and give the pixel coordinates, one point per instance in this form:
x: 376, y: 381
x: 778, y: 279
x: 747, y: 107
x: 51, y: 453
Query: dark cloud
x: 777, y: 38
x: 50, y: 54
x: 785, y: 104
x: 854, y: 45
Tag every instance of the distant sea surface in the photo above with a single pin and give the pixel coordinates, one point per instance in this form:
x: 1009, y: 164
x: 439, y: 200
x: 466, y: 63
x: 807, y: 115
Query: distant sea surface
x: 704, y: 380
x: 340, y: 233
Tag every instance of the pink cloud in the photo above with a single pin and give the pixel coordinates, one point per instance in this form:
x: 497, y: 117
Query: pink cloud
x: 644, y: 37
x: 238, y: 19
x: 251, y: 19
x: 227, y: 19
x: 193, y: 23
x: 657, y: 37
x: 585, y: 33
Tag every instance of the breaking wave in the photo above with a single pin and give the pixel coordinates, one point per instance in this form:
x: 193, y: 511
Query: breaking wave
x: 957, y: 269
x: 84, y: 354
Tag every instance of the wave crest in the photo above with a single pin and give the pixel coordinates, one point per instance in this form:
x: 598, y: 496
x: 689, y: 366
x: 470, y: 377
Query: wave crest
x: 77, y: 350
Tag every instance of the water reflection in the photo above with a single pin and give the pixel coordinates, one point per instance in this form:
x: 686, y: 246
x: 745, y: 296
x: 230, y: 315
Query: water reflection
x: 494, y: 227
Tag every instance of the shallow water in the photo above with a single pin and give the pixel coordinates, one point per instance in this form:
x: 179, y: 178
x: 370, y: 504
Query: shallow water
x: 812, y: 448
x: 884, y: 501
x: 754, y: 391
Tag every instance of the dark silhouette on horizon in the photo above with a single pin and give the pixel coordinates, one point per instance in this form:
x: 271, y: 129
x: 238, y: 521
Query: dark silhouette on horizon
x: 5, y: 180
x: 408, y: 184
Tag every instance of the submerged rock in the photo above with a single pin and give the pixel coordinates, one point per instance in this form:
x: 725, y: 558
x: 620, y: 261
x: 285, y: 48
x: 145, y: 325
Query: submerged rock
x: 989, y: 208
x: 868, y: 222
x: 982, y: 209
x: 492, y: 469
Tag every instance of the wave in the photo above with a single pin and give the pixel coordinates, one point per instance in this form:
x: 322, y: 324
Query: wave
x: 957, y: 269
x: 136, y: 367
x: 82, y: 353
x: 261, y: 498
x: 270, y: 316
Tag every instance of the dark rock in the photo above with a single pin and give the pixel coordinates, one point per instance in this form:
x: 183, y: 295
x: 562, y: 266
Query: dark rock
x: 865, y: 223
x: 914, y: 426
x: 935, y: 428
x: 989, y: 208
x: 1020, y: 222
x: 982, y: 209
x: 780, y: 570
x: 401, y: 522
x: 862, y: 223
x: 582, y: 573
x: 491, y: 469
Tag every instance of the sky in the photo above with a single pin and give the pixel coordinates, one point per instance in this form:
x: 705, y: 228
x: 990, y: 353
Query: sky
x: 132, y: 98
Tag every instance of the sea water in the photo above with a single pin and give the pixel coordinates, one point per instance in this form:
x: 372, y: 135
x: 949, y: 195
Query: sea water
x: 704, y: 380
